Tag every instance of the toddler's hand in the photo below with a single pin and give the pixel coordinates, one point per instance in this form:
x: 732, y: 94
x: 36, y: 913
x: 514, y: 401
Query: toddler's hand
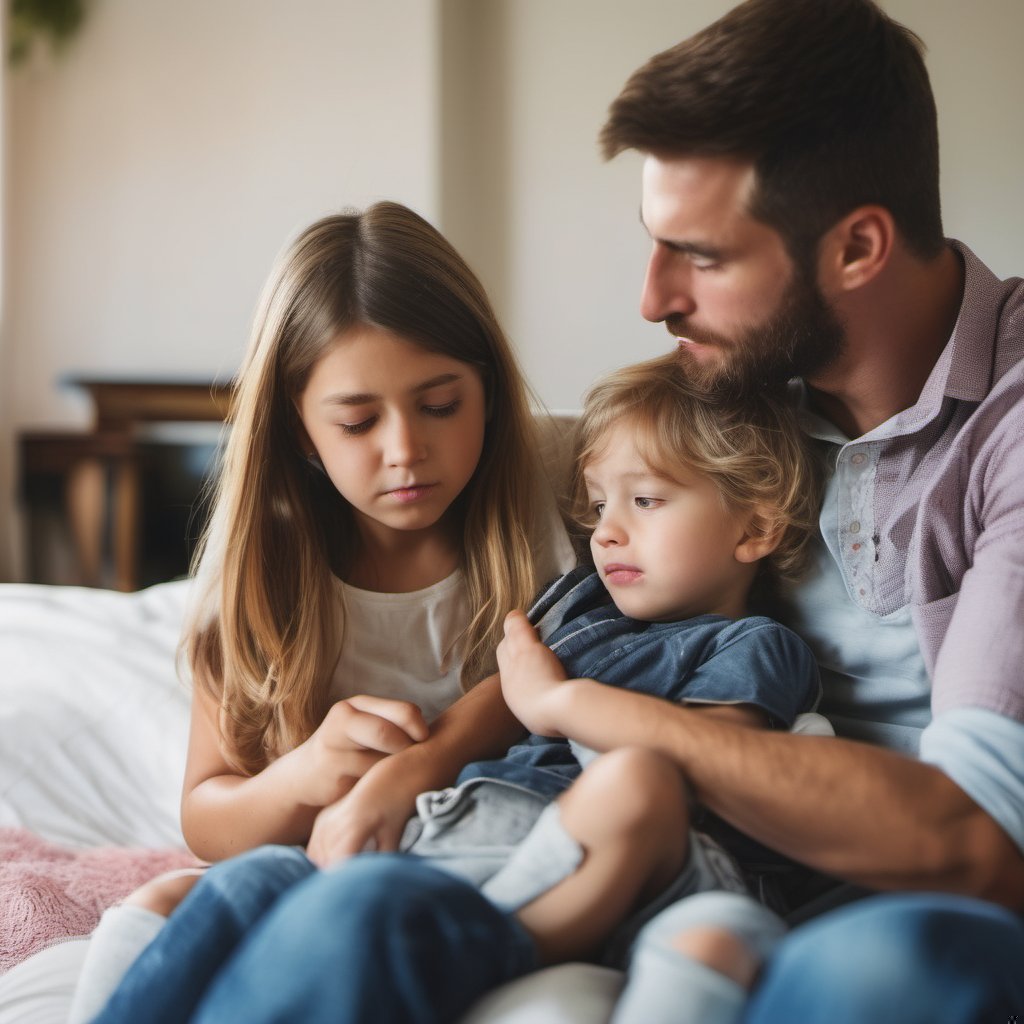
x: 530, y: 675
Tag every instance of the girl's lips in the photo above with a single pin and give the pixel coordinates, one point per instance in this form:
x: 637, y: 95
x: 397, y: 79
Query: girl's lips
x: 408, y: 495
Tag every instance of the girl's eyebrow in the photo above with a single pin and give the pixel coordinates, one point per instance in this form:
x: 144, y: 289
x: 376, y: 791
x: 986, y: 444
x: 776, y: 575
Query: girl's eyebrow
x: 364, y: 398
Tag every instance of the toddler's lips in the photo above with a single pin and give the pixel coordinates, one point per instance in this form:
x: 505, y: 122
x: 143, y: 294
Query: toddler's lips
x: 622, y: 575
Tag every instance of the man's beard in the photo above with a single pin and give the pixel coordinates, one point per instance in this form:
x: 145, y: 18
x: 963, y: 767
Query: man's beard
x: 802, y: 338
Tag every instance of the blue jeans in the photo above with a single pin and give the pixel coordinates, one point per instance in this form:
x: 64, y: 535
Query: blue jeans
x: 267, y: 937
x: 899, y: 959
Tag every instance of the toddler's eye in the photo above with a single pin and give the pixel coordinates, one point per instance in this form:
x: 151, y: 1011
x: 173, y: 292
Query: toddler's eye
x: 642, y: 502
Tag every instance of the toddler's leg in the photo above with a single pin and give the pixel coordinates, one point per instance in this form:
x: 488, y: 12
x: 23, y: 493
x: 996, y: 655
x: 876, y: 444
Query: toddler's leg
x: 123, y: 933
x: 628, y: 811
x: 696, y: 961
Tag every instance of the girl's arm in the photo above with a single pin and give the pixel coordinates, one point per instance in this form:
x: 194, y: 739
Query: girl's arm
x: 224, y: 812
x: 477, y: 726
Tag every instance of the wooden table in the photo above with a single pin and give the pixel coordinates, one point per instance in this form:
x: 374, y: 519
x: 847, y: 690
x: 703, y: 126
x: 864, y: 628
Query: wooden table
x: 100, y: 468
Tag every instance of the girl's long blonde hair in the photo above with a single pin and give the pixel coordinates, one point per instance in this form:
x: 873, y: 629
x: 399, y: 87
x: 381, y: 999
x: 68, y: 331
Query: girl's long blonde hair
x: 263, y: 639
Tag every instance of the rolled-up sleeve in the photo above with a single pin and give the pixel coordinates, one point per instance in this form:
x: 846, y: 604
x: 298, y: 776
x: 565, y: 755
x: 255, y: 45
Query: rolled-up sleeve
x: 983, y: 753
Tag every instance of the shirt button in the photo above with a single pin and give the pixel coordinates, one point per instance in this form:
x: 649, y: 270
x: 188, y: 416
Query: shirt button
x: 856, y: 547
x: 858, y: 459
x: 855, y: 527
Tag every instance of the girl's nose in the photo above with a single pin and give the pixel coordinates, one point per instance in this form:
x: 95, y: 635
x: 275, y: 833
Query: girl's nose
x: 405, y: 444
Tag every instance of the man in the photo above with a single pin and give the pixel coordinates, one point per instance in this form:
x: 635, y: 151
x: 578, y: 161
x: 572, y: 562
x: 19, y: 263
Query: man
x: 790, y: 190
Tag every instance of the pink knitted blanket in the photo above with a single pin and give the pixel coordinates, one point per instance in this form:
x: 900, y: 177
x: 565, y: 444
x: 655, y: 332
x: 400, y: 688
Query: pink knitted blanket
x: 50, y: 892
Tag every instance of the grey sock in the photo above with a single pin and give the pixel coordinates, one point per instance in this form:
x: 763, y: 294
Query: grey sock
x: 544, y: 858
x: 666, y: 985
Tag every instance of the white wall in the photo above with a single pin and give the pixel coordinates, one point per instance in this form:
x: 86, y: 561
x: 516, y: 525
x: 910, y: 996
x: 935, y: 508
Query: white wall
x: 158, y: 168
x: 154, y: 171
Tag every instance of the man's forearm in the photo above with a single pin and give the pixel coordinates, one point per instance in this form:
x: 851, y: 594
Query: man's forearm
x: 855, y: 811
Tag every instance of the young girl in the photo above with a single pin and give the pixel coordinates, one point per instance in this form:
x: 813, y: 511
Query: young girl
x: 379, y: 510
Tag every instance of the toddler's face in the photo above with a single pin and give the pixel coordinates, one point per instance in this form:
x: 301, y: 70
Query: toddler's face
x: 666, y: 548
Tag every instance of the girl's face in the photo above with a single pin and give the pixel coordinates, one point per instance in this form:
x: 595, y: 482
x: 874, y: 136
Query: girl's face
x: 398, y: 429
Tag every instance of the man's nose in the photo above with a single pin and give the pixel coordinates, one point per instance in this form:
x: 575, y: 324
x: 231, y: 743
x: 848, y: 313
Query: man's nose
x: 667, y: 290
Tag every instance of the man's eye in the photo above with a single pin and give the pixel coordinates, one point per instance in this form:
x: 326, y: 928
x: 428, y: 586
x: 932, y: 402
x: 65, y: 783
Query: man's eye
x: 704, y: 265
x: 440, y: 411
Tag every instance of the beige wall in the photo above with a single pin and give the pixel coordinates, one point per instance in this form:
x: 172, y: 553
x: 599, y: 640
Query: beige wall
x: 153, y: 172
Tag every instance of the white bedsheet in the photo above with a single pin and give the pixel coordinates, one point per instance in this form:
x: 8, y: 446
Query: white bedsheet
x: 93, y: 717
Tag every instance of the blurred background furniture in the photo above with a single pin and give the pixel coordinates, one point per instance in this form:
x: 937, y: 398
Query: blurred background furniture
x: 121, y: 505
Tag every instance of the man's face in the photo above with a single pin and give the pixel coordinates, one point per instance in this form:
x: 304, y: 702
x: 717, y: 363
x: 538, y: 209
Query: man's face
x: 744, y: 316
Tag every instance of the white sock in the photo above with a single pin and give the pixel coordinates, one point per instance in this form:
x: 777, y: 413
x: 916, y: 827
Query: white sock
x: 123, y: 933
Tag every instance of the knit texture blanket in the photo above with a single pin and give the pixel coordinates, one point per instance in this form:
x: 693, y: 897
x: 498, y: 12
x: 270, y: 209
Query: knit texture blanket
x: 50, y: 892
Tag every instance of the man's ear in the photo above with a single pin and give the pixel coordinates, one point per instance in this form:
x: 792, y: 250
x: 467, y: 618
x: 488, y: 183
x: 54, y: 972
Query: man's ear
x: 855, y: 250
x: 760, y: 538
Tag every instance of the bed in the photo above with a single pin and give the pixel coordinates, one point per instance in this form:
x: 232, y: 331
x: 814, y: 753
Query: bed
x: 93, y: 726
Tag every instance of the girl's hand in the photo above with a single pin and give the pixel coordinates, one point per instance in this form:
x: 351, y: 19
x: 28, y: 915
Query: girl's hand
x: 372, y: 815
x: 354, y: 736
x: 531, y: 676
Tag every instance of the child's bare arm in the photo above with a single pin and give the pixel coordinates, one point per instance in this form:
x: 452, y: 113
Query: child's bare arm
x: 224, y: 812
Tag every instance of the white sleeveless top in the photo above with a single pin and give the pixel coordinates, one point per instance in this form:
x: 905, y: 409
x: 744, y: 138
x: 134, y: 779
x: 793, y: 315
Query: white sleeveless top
x: 403, y: 646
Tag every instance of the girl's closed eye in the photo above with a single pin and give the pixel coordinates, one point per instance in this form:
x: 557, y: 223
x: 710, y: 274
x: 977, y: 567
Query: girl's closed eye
x: 361, y: 427
x: 441, y: 411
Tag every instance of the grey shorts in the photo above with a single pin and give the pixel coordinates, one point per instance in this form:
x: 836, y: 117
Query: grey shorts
x: 473, y: 829
x: 510, y: 843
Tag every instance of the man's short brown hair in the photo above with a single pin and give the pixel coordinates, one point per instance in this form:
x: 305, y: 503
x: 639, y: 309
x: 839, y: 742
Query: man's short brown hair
x: 829, y: 99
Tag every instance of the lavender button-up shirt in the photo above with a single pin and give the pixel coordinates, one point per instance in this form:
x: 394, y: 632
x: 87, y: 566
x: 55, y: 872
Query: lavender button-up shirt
x: 925, y: 532
x: 931, y: 515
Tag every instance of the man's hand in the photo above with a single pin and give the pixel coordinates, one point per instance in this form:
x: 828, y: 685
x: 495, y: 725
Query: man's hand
x: 353, y: 737
x: 531, y: 676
